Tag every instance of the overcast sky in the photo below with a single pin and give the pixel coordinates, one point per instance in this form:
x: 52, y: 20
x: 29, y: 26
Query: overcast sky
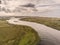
x: 57, y: 1
x: 55, y: 11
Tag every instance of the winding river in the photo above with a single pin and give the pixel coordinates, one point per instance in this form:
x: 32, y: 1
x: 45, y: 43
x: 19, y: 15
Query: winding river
x: 49, y: 36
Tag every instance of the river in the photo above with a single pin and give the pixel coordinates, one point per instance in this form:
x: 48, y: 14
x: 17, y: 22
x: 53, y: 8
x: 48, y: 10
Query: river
x: 49, y: 36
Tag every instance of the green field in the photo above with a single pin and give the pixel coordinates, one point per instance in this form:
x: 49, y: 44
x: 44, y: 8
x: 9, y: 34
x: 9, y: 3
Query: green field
x: 17, y: 34
x: 48, y: 21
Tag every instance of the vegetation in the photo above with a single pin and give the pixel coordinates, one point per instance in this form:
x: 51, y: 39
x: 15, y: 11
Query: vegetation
x: 17, y: 34
x: 51, y: 22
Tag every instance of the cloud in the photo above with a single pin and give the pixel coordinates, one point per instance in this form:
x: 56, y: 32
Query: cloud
x: 57, y: 1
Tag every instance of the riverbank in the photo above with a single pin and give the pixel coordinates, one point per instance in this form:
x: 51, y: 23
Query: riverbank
x: 17, y: 34
x: 49, y: 36
x: 48, y: 21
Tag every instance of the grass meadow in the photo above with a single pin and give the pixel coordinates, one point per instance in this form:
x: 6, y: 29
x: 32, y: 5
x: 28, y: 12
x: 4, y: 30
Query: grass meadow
x: 17, y: 34
x: 48, y: 21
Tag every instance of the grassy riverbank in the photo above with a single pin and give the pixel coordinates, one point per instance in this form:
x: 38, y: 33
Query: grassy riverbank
x: 51, y: 22
x: 17, y: 34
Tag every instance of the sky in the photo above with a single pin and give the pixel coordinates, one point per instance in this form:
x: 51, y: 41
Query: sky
x: 52, y: 11
x: 57, y: 1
